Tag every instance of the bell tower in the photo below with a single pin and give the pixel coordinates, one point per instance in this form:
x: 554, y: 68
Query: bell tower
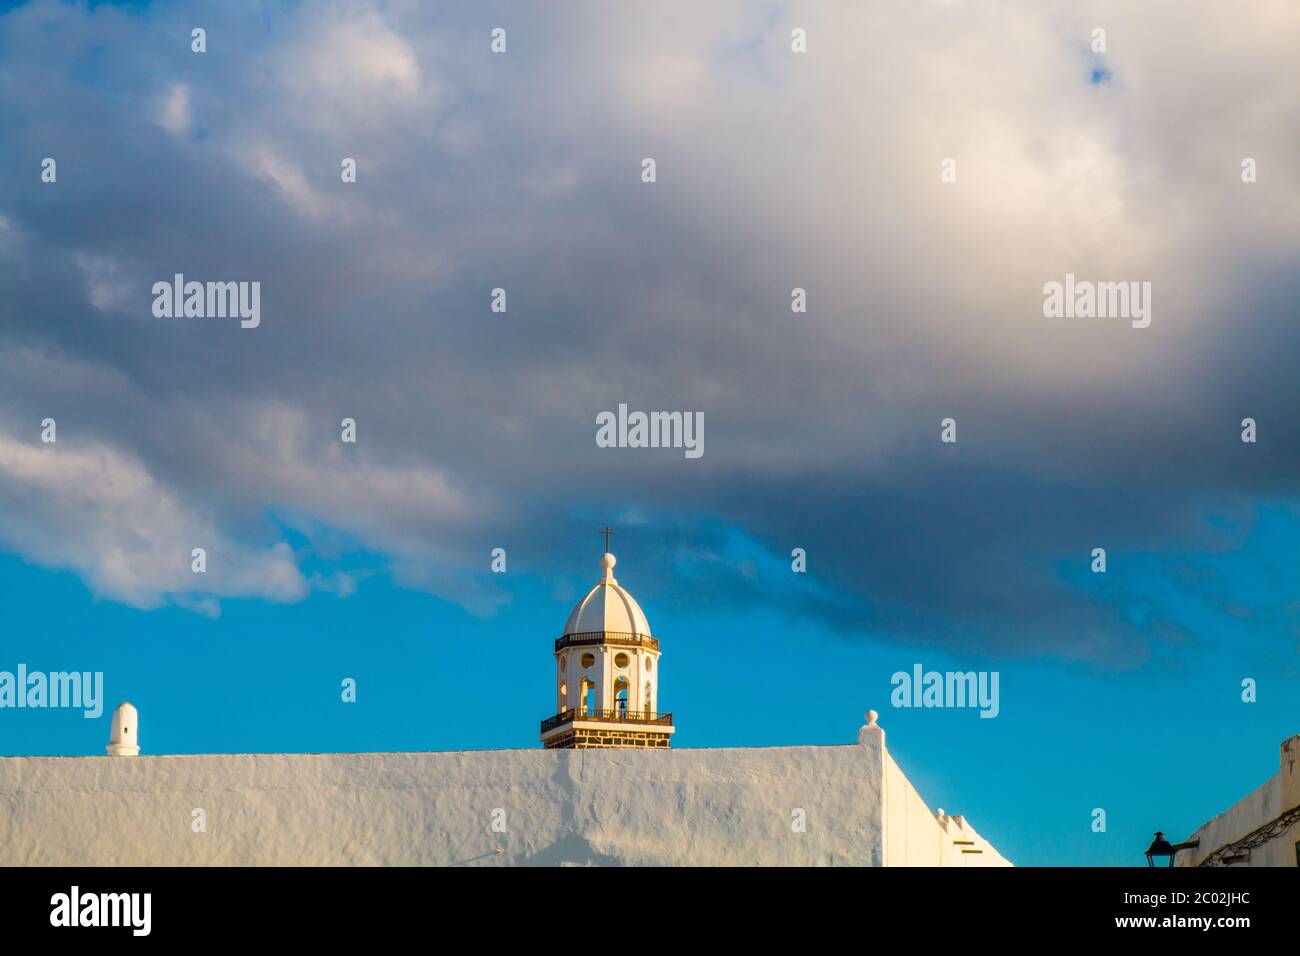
x: 607, y: 673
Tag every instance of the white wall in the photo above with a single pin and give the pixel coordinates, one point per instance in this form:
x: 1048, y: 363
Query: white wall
x: 1266, y: 803
x: 915, y: 836
x: 608, y: 806
x: 618, y: 807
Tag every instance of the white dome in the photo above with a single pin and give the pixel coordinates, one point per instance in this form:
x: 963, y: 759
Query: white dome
x: 607, y: 607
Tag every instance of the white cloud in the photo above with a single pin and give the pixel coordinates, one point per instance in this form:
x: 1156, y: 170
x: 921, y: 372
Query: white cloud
x: 99, y: 511
x: 287, y: 177
x: 174, y: 114
x: 355, y: 68
x: 107, y: 288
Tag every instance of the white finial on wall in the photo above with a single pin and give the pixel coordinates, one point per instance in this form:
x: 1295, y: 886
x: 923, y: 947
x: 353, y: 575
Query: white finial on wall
x: 871, y: 731
x: 125, y: 732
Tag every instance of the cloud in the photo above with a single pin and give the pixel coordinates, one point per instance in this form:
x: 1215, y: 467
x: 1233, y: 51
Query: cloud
x: 102, y: 514
x: 356, y: 61
x: 174, y: 110
x: 775, y: 170
x: 105, y: 286
x: 287, y: 177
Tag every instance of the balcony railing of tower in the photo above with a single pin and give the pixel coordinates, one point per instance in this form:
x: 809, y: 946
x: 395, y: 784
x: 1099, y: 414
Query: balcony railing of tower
x: 614, y: 638
x: 607, y: 716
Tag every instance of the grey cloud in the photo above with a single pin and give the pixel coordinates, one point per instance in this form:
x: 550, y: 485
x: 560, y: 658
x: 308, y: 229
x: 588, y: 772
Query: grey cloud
x: 775, y: 171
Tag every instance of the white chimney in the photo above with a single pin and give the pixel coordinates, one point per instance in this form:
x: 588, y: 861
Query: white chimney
x: 126, y: 727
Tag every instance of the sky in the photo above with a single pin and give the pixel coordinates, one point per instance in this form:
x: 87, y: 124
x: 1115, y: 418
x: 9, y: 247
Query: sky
x: 476, y: 429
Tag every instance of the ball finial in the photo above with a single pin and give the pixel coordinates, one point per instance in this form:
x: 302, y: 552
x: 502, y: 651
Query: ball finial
x: 607, y: 561
x: 872, y: 717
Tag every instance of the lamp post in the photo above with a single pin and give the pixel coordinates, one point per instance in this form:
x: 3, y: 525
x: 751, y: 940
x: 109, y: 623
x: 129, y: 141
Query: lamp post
x: 1162, y: 847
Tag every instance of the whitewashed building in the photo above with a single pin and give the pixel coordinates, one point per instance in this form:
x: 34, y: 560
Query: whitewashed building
x: 605, y: 789
x: 1260, y: 829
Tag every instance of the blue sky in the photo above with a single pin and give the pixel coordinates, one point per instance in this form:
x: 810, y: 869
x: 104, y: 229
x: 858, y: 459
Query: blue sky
x: 476, y: 429
x: 1163, y: 746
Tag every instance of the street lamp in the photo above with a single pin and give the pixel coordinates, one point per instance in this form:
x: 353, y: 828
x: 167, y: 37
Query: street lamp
x: 1162, y: 847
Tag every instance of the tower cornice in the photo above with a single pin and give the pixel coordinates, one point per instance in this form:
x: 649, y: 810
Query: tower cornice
x: 607, y: 639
